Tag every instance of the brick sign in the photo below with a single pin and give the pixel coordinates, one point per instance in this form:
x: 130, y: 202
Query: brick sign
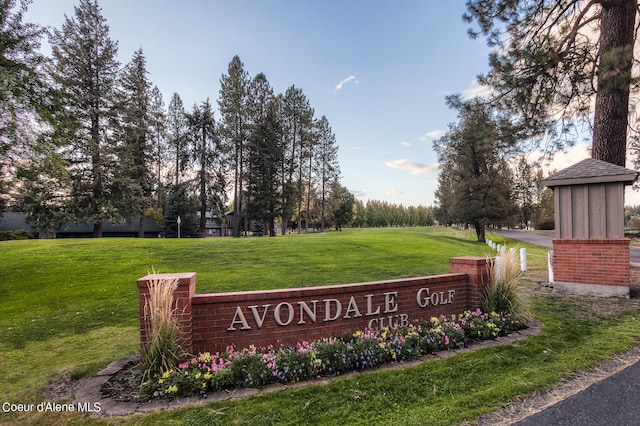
x: 210, y: 322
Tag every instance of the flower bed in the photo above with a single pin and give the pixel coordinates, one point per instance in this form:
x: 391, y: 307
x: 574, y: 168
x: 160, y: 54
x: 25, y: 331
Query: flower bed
x: 257, y: 367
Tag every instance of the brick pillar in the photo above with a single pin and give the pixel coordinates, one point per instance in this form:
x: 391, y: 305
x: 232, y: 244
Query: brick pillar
x: 477, y: 270
x: 596, y: 266
x: 182, y: 300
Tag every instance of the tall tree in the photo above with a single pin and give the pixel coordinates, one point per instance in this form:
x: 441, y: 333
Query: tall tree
x: 264, y: 168
x: 471, y: 155
x: 524, y: 189
x: 158, y: 138
x: 297, y: 122
x: 552, y: 56
x: 29, y: 105
x: 135, y: 177
x: 86, y: 69
x: 328, y: 169
x: 177, y: 130
x: 259, y: 98
x: 207, y: 155
x: 234, y: 128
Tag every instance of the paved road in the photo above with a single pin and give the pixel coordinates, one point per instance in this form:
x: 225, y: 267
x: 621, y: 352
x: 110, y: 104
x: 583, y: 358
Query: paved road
x: 539, y: 240
x: 613, y: 401
x: 526, y: 236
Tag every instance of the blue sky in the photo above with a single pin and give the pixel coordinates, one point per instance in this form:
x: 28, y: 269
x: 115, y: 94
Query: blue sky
x: 378, y: 70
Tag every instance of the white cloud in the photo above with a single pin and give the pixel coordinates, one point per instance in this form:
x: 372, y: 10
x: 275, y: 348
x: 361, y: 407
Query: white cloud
x: 360, y: 193
x: 351, y: 78
x: 434, y: 134
x: 405, y: 144
x: 475, y: 90
x: 413, y: 168
x: 395, y: 192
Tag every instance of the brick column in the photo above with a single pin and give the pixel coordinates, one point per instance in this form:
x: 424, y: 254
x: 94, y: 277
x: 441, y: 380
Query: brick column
x: 598, y: 266
x: 477, y: 270
x: 182, y: 300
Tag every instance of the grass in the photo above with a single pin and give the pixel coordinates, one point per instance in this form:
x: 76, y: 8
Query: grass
x: 71, y: 307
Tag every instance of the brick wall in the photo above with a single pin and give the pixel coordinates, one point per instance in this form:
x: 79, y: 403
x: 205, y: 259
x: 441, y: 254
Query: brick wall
x: 210, y: 322
x: 603, y: 261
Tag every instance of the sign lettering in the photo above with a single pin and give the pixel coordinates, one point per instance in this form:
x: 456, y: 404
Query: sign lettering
x: 384, y: 307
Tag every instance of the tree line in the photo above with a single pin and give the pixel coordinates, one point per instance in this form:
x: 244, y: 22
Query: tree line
x: 86, y: 139
x: 381, y: 214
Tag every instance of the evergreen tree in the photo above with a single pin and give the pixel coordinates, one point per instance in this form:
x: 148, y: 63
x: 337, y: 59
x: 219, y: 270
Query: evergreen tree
x: 524, y: 190
x: 328, y: 169
x: 208, y: 156
x: 135, y: 178
x: 264, y: 168
x: 160, y: 148
x: 29, y: 114
x: 86, y: 69
x: 234, y: 128
x: 548, y: 63
x: 471, y: 156
x: 181, y: 203
x: 177, y: 129
x: 297, y: 122
x: 259, y: 98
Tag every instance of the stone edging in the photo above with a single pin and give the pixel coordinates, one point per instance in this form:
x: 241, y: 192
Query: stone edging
x: 89, y: 392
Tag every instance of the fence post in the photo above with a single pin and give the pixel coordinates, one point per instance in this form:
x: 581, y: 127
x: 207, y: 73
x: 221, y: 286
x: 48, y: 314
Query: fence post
x: 523, y: 259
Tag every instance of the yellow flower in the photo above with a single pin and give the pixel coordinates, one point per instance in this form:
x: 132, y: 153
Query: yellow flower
x: 172, y: 389
x: 166, y: 374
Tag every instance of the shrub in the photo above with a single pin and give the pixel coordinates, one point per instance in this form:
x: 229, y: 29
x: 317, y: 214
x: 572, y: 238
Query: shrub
x: 504, y: 291
x: 163, y: 350
x: 16, y: 235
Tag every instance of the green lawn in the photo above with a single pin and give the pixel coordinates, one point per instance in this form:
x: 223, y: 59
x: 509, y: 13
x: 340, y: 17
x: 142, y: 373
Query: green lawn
x: 71, y: 306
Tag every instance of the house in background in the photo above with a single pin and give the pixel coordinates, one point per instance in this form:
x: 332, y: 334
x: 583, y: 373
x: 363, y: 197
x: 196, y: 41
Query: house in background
x: 216, y: 226
x: 11, y: 222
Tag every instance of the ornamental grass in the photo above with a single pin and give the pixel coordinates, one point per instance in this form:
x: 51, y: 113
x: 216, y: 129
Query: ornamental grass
x: 504, y: 291
x: 163, y: 349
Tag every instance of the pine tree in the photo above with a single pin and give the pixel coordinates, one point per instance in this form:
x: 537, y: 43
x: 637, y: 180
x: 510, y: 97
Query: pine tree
x: 177, y: 130
x: 328, y: 169
x: 264, y: 168
x: 135, y: 178
x: 86, y: 70
x: 551, y: 58
x: 297, y: 122
x: 180, y: 203
x: 208, y: 156
x: 234, y: 128
x: 30, y: 112
x: 160, y: 148
x: 470, y: 154
x: 259, y: 96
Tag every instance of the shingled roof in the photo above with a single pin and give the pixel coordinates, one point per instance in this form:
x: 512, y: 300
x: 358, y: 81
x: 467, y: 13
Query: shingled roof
x: 591, y: 171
